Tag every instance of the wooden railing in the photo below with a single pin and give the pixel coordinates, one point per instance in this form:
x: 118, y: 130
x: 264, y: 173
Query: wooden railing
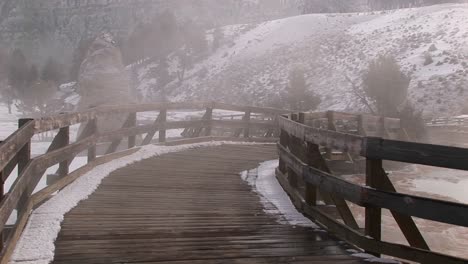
x: 16, y: 149
x: 304, y: 174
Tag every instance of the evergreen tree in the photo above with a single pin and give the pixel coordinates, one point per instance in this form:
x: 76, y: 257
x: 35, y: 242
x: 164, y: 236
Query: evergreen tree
x: 33, y: 75
x: 386, y: 85
x: 52, y: 71
x: 18, y: 72
x: 300, y: 99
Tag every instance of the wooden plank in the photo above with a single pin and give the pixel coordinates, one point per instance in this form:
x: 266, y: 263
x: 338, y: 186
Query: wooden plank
x: 426, y: 208
x: 56, y: 156
x: 242, y: 124
x: 248, y: 124
x: 15, y: 142
x: 11, y: 200
x: 131, y: 119
x: 417, y: 153
x: 24, y: 158
x: 63, y: 120
x: 205, y: 211
x: 149, y: 137
x: 208, y: 118
x: 261, y: 110
x: 162, y: 123
x: 373, y: 215
x: 405, y: 222
x: 64, y: 136
x: 14, y: 237
x: 331, y: 139
x: 132, y: 123
x: 92, y: 130
x: 354, y: 237
x: 45, y: 193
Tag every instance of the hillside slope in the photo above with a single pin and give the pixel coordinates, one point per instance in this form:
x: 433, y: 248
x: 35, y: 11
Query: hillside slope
x: 335, y: 50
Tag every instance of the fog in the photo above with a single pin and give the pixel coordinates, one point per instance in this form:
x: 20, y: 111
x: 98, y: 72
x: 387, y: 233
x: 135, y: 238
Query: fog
x: 403, y: 59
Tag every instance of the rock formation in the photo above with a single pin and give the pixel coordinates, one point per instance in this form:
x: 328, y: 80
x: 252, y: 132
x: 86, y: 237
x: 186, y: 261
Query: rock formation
x: 103, y: 80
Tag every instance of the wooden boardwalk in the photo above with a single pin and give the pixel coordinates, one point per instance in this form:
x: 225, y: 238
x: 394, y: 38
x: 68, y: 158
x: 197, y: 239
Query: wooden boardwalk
x: 188, y: 207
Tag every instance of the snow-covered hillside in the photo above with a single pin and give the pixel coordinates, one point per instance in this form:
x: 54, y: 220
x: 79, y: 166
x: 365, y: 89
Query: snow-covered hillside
x: 334, y: 49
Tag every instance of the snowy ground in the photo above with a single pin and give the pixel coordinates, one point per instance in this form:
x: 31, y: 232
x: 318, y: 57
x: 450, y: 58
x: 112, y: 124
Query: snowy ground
x: 334, y: 49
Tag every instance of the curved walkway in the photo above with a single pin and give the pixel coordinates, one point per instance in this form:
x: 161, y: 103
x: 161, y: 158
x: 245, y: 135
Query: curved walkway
x: 188, y: 207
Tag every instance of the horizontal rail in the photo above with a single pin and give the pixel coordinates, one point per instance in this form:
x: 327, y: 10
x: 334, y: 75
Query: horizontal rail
x: 441, y: 211
x: 356, y: 238
x: 68, y: 119
x: 418, y: 153
x: 16, y: 141
x: 332, y: 139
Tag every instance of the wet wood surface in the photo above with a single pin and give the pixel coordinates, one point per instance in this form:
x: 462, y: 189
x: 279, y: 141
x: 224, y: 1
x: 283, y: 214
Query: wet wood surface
x: 189, y: 207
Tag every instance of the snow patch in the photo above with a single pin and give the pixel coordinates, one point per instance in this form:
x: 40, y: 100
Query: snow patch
x: 264, y: 182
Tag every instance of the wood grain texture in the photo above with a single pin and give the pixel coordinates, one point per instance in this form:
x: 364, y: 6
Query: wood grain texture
x: 189, y: 207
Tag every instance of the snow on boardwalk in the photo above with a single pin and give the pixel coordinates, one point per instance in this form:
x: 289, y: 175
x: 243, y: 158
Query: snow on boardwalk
x: 189, y: 207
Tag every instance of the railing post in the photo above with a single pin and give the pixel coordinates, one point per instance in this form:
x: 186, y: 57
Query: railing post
x: 284, y: 142
x: 361, y: 125
x: 64, y: 139
x: 208, y: 119
x: 132, y: 123
x: 310, y: 190
x: 330, y: 126
x: 295, y: 147
x: 162, y: 122
x: 373, y: 215
x: 247, y: 126
x: 24, y: 157
x: 92, y: 131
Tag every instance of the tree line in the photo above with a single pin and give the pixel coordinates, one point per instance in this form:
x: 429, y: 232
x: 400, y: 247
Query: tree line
x: 27, y: 85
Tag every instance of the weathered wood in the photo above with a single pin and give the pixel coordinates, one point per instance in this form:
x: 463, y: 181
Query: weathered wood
x: 230, y: 139
x: 262, y: 110
x: 24, y: 158
x: 373, y: 215
x: 242, y: 124
x: 356, y: 238
x: 132, y: 123
x: 405, y: 222
x: 208, y: 118
x: 211, y: 215
x: 12, y: 199
x: 418, y: 153
x: 89, y: 130
x: 53, y: 157
x: 16, y: 142
x: 425, y: 208
x: 129, y: 122
x: 64, y: 137
x: 150, y: 135
x: 162, y: 123
x: 311, y: 192
x: 15, y: 235
x: 331, y: 127
x: 248, y: 123
x: 330, y: 139
x: 314, y: 157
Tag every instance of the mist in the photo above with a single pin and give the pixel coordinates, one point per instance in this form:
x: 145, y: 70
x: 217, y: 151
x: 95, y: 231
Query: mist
x: 400, y: 59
